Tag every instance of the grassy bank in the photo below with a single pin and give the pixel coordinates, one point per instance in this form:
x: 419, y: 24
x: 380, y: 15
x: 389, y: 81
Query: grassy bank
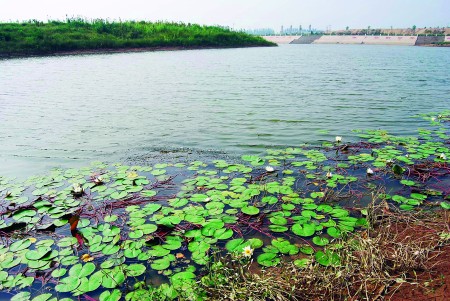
x: 37, y: 38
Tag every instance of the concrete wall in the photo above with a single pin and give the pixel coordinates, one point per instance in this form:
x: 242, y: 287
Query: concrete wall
x: 370, y: 40
x: 305, y: 40
x: 281, y: 39
x: 357, y: 39
x: 427, y: 40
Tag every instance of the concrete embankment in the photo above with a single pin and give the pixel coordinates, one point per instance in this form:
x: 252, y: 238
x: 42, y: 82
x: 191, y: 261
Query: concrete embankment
x: 305, y: 39
x: 429, y: 40
x: 370, y: 40
x: 281, y: 39
x: 359, y: 39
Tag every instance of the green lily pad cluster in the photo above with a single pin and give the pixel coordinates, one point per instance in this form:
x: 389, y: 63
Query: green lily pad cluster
x: 108, y: 230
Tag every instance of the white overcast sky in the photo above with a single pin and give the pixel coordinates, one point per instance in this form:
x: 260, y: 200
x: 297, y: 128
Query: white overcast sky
x: 242, y: 13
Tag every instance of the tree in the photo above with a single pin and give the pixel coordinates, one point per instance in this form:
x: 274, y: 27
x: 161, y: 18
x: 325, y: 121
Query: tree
x: 414, y: 28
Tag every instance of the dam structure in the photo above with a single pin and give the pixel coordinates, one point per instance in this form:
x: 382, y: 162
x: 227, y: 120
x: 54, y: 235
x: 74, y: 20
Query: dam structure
x: 359, y: 39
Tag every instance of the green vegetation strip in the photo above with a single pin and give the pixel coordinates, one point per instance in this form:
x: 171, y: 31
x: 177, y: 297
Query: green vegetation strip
x: 40, y: 38
x: 111, y: 230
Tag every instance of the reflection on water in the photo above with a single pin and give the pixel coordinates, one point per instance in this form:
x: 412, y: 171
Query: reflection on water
x: 69, y: 111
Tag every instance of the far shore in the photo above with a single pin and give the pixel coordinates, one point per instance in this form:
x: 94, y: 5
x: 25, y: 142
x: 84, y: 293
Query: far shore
x: 117, y: 50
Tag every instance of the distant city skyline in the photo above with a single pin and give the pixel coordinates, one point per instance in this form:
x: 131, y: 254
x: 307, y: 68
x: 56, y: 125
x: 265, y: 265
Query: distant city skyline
x: 249, y: 14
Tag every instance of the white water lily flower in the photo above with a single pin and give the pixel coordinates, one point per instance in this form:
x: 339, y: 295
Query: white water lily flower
x: 369, y: 171
x: 329, y: 174
x: 389, y: 161
x: 76, y: 188
x: 338, y: 139
x: 98, y: 180
x: 443, y: 156
x: 247, y: 252
x: 433, y: 118
x: 269, y: 169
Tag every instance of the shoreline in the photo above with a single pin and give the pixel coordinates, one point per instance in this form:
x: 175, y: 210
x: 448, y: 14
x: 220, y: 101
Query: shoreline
x: 121, y: 50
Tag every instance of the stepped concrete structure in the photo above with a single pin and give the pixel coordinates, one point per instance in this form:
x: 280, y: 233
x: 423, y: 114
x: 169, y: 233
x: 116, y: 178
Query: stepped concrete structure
x: 305, y: 39
x: 359, y: 39
x: 427, y: 40
x: 369, y: 40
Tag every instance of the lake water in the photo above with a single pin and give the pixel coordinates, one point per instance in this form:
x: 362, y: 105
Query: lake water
x: 70, y: 110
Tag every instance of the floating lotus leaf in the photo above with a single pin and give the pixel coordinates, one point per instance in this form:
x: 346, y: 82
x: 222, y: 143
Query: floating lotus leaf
x: 304, y: 230
x: 42, y: 297
x: 334, y: 232
x: 277, y: 228
x: 308, y: 250
x: 38, y: 253
x: 235, y: 245
x: 327, y: 258
x: 159, y: 251
x: 269, y: 200
x: 198, y: 246
x: 147, y: 228
x: 445, y: 205
x: 250, y: 210
x: 268, y: 259
x: 110, y: 249
x: 223, y: 233
x: 113, y: 278
x: 68, y: 284
x: 136, y: 234
x: 160, y: 264
x: 284, y: 246
x: 20, y: 245
x: 115, y: 295
x: 132, y: 252
x: 59, y: 273
x: 22, y: 296
x: 67, y: 242
x: 135, y: 269
x: 89, y: 285
x: 3, y: 276
x: 81, y: 271
x: 320, y: 241
x: 302, y: 263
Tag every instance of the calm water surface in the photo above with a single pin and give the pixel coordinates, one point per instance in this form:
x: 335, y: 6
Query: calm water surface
x: 71, y: 110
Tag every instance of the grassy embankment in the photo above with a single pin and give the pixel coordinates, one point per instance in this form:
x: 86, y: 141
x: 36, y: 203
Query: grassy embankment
x: 39, y: 38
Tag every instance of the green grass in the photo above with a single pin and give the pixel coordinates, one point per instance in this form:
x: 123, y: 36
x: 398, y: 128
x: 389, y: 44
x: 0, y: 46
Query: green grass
x: 36, y: 38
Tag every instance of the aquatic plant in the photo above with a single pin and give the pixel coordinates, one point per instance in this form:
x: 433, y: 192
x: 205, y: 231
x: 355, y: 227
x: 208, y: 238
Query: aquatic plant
x: 151, y: 232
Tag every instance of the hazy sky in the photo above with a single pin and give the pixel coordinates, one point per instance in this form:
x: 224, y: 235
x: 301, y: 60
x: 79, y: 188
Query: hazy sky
x: 243, y: 13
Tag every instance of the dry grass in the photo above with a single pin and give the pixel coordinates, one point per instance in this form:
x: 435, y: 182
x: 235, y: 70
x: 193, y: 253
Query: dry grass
x: 393, y: 248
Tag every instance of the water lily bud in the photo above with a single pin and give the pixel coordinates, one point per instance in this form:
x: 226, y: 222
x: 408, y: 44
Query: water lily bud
x: 442, y: 156
x: 329, y: 174
x: 247, y: 252
x: 369, y: 171
x: 270, y: 169
x: 338, y: 139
